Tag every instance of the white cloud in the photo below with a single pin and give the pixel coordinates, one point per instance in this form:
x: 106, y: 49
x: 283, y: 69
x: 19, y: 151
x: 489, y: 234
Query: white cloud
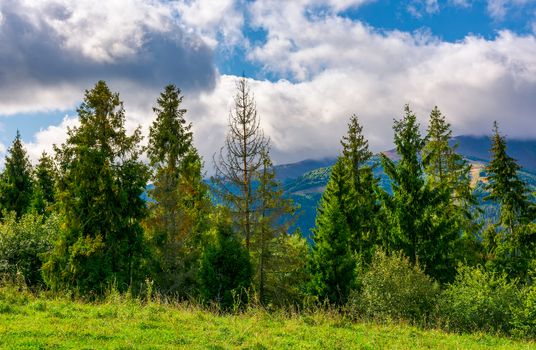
x: 45, y: 139
x: 336, y: 67
x: 217, y: 22
x: 498, y: 9
x: 103, y: 31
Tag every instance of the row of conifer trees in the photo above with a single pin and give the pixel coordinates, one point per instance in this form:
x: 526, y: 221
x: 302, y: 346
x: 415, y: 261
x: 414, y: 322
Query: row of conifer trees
x: 227, y: 240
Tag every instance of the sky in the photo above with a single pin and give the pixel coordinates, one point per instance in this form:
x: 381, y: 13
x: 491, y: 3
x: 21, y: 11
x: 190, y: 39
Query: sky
x: 311, y: 64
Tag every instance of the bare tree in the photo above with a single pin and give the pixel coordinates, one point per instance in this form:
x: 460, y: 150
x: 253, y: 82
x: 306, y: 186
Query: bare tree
x: 240, y: 158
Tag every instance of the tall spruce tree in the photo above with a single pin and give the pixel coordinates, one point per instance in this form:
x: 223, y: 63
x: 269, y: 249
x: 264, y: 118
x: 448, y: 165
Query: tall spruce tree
x: 240, y: 159
x: 409, y: 213
x: 17, y: 184
x: 362, y: 210
x: 331, y: 262
x: 273, y: 219
x: 448, y: 174
x: 101, y: 180
x: 45, y: 182
x: 178, y: 215
x: 513, y: 242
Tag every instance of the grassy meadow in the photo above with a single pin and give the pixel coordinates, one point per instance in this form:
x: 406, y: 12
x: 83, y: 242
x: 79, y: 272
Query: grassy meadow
x: 30, y: 322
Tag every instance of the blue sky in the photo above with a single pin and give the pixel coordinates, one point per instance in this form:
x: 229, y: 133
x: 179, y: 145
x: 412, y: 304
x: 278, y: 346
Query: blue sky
x: 312, y: 64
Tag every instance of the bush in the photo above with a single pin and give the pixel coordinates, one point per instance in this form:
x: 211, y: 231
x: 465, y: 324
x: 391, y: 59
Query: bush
x: 23, y: 243
x: 225, y: 272
x: 394, y: 289
x: 479, y: 300
x: 524, y: 314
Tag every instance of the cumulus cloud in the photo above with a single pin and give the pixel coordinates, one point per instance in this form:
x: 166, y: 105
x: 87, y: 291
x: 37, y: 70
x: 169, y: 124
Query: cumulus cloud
x: 340, y: 67
x: 329, y: 67
x: 52, y: 50
x: 217, y: 22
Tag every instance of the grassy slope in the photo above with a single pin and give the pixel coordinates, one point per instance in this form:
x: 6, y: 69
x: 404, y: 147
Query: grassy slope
x: 29, y: 323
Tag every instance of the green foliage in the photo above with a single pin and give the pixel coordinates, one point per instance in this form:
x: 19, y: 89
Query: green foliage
x: 270, y: 241
x: 287, y: 275
x: 45, y: 182
x: 524, y: 313
x: 225, y: 272
x: 361, y: 206
x: 101, y: 180
x: 395, y: 289
x: 16, y: 187
x: 448, y: 175
x: 178, y: 217
x: 411, y: 218
x: 331, y: 261
x: 23, y: 244
x: 511, y: 241
x: 479, y: 300
x: 505, y: 186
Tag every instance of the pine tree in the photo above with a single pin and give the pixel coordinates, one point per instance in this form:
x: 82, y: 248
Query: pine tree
x: 448, y: 174
x: 362, y: 211
x: 240, y: 159
x: 274, y: 213
x: 45, y: 181
x: 409, y: 214
x: 101, y: 180
x: 505, y: 186
x: 331, y: 262
x: 17, y: 185
x: 225, y: 272
x: 178, y: 215
x: 513, y: 242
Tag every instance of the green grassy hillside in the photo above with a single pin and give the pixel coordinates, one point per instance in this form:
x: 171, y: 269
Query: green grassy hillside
x: 28, y: 322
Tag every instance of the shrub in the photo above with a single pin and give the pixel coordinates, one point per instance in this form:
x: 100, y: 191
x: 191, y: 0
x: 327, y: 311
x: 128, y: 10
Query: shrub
x: 524, y: 314
x: 479, y: 300
x: 225, y: 272
x: 394, y: 289
x: 23, y: 243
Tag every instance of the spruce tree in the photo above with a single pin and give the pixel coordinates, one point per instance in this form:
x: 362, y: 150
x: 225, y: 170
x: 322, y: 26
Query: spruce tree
x: 362, y: 210
x: 448, y: 175
x: 274, y: 213
x: 240, y: 159
x: 17, y: 184
x: 45, y: 181
x: 512, y: 239
x: 178, y: 215
x: 101, y: 180
x: 331, y: 262
x: 409, y: 214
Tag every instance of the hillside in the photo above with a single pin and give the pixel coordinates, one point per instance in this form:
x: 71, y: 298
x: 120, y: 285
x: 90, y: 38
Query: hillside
x: 306, y: 189
x: 28, y: 322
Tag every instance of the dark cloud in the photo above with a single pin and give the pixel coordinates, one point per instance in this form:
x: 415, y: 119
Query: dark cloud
x: 35, y: 54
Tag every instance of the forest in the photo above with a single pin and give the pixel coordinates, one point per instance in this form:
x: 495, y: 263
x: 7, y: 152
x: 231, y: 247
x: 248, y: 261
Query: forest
x: 110, y: 213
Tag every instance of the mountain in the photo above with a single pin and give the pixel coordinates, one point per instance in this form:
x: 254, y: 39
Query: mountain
x: 295, y: 170
x: 305, y: 184
x: 474, y: 147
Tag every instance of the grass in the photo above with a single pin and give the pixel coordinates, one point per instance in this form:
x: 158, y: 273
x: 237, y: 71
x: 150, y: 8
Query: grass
x: 29, y: 322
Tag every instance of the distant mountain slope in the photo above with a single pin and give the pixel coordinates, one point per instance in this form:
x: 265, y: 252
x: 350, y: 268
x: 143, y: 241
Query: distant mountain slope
x: 306, y: 189
x: 472, y: 147
x: 295, y: 170
x: 524, y: 151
